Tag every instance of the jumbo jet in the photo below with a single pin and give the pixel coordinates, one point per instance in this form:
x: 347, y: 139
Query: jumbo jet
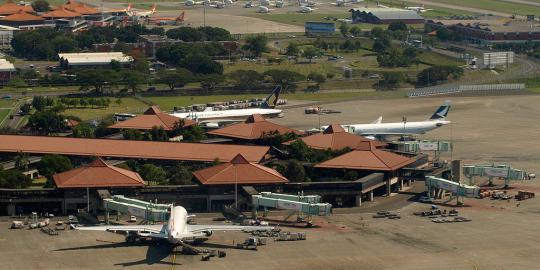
x: 176, y: 231
x: 167, y: 20
x: 213, y: 119
x: 379, y: 129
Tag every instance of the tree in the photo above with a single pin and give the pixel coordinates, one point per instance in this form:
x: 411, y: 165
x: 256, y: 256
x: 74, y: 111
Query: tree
x: 193, y: 134
x: 299, y: 150
x: 256, y: 45
x: 180, y: 175
x: 83, y: 130
x: 14, y: 179
x: 397, y: 26
x: 159, y: 134
x: 46, y: 122
x: 25, y: 108
x: 133, y: 79
x: 294, y: 171
x: 17, y: 82
x: 317, y: 78
x: 380, y: 45
x: 355, y: 31
x: 344, y: 29
x: 63, y: 44
x: 116, y: 65
x: 184, y: 33
x: 53, y: 164
x: 293, y: 50
x: 22, y: 160
x: 97, y: 79
x: 41, y: 6
x: 311, y: 52
x: 200, y: 63
x: 285, y: 78
x: 443, y: 34
x: 153, y: 173
x: 176, y: 78
x: 435, y: 74
x: 390, y: 80
x: 246, y: 79
x: 210, y: 81
x: 132, y: 134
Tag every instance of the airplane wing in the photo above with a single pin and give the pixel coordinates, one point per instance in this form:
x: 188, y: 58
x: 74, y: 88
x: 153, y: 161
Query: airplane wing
x: 205, y: 228
x: 155, y: 230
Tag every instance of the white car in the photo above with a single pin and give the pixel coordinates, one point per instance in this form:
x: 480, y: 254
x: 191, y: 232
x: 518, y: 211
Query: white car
x: 132, y: 219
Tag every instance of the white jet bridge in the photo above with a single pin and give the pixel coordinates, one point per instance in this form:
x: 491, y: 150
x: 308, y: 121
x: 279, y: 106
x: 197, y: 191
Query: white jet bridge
x: 309, y: 205
x: 457, y: 189
x: 491, y: 171
x: 146, y: 210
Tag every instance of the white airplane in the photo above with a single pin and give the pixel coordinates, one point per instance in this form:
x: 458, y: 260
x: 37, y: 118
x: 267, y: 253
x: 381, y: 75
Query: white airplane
x: 143, y: 13
x: 212, y: 118
x: 419, y: 9
x: 176, y: 231
x: 379, y: 129
x: 342, y: 3
x: 263, y: 9
x: 305, y: 9
x: 190, y: 3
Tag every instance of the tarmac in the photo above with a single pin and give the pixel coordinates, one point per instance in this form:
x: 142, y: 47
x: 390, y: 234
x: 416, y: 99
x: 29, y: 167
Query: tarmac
x: 501, y: 235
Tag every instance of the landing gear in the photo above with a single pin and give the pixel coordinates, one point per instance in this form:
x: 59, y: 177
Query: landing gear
x: 131, y: 238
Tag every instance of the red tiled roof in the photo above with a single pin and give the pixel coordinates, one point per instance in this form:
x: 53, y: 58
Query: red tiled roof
x: 81, y: 8
x: 151, y: 118
x: 253, y: 128
x: 21, y: 16
x: 98, y: 174
x: 129, y: 149
x: 61, y: 12
x: 240, y: 171
x: 334, y: 137
x: 10, y: 7
x: 366, y: 157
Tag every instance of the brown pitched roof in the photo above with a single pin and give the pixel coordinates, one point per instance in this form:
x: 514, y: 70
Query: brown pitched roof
x: 240, y: 171
x: 81, y: 8
x: 252, y: 129
x: 151, y: 118
x: 21, y: 16
x: 367, y: 157
x: 11, y: 8
x: 129, y: 149
x: 98, y: 174
x: 336, y: 138
x: 61, y: 12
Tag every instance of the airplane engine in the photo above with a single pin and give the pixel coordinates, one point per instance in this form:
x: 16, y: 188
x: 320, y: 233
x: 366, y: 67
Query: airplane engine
x: 208, y: 233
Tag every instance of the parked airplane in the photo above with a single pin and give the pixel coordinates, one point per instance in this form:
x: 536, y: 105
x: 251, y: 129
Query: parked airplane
x: 176, y: 231
x: 419, y: 9
x: 123, y: 11
x: 143, y: 13
x: 194, y: 3
x: 263, y: 9
x: 342, y: 3
x: 212, y: 118
x: 167, y: 20
x: 379, y: 129
x: 305, y: 9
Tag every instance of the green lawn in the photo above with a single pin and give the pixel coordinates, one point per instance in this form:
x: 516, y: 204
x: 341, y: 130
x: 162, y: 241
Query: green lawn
x: 128, y: 105
x: 370, y: 63
x: 3, y: 114
x: 7, y: 103
x: 321, y: 66
x: 432, y: 58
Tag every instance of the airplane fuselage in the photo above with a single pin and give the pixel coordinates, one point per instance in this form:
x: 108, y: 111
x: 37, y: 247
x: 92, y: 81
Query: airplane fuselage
x: 229, y: 114
x: 396, y: 128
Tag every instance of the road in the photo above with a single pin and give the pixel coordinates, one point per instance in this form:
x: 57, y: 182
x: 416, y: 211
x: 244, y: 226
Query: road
x: 464, y: 8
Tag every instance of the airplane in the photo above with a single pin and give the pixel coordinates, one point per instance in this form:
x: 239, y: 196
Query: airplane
x: 305, y: 9
x: 167, y: 20
x: 176, y: 231
x: 419, y: 9
x: 143, y: 13
x: 342, y: 3
x: 122, y: 11
x: 263, y: 9
x: 213, y: 119
x: 194, y: 3
x: 379, y: 129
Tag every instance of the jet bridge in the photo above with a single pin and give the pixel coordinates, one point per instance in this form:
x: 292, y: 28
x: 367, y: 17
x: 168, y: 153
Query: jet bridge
x: 491, y: 171
x: 457, y: 189
x: 309, y: 205
x: 142, y: 209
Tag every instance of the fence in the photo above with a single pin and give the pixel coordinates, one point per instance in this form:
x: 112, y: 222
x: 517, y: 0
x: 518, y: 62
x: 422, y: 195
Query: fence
x: 454, y: 89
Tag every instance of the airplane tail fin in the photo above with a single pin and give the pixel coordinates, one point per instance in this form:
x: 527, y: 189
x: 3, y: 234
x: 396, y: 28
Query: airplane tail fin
x: 153, y: 8
x: 275, y: 95
x: 442, y: 111
x: 181, y: 17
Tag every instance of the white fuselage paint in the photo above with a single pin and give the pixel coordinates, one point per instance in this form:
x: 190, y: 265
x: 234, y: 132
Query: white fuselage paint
x: 176, y: 229
x: 396, y: 128
x: 229, y: 114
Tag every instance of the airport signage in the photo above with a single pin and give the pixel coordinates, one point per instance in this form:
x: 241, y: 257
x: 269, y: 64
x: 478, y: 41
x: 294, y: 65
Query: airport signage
x: 498, y: 58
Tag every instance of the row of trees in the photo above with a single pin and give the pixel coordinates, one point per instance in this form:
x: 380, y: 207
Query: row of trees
x: 206, y: 33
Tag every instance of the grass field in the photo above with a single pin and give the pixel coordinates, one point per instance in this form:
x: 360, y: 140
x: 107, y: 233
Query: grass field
x: 436, y: 12
x: 128, y: 105
x: 432, y: 58
x: 3, y: 114
x: 6, y: 103
x: 370, y: 63
x: 322, y: 67
x: 495, y: 5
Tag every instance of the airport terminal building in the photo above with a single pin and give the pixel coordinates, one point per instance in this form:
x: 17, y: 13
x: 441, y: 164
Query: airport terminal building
x: 385, y: 16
